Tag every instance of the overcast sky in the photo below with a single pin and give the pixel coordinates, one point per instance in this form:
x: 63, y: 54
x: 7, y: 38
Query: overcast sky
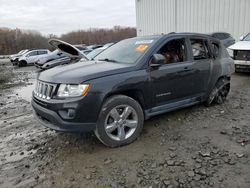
x: 61, y: 16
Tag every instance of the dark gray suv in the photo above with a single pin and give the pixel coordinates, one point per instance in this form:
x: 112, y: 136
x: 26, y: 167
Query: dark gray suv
x: 130, y: 82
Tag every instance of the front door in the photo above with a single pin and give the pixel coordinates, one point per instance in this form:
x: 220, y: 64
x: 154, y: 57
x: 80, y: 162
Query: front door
x: 173, y: 81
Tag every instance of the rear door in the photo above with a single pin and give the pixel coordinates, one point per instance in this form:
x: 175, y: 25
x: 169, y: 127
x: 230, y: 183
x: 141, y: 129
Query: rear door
x: 32, y: 56
x: 202, y: 63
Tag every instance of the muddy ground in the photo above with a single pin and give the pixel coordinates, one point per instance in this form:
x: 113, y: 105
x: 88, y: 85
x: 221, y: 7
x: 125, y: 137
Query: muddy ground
x: 192, y: 147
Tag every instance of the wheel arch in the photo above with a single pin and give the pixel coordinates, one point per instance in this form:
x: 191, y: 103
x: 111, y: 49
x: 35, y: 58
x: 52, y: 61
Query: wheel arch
x: 135, y: 94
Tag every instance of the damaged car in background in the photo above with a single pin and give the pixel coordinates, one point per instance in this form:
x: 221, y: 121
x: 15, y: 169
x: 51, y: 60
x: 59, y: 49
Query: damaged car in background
x: 241, y: 54
x: 56, y: 54
x: 69, y: 57
x: 71, y: 54
x: 14, y: 58
x: 132, y: 81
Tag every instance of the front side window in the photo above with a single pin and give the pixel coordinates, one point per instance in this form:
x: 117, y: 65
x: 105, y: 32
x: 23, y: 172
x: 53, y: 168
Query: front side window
x: 127, y: 51
x: 199, y: 49
x: 174, y: 51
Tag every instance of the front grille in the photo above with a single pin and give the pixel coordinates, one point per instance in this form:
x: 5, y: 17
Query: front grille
x: 44, y: 90
x: 242, y: 55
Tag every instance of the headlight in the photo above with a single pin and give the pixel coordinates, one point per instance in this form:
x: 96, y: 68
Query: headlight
x: 72, y: 90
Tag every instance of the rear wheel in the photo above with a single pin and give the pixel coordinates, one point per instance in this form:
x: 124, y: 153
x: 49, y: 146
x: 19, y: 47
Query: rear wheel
x: 120, y: 121
x: 219, y: 93
x: 222, y: 94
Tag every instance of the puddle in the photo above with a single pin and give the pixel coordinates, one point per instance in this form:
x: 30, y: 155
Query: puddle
x: 26, y: 91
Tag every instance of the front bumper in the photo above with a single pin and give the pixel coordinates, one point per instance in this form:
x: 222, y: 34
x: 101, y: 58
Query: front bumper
x: 51, y: 119
x: 242, y: 66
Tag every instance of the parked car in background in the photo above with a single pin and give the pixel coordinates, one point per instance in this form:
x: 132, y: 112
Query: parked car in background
x: 14, y: 57
x: 87, y: 51
x: 225, y: 38
x: 241, y: 54
x: 72, y: 52
x: 56, y: 54
x: 66, y: 60
x: 97, y: 51
x: 131, y: 81
x: 94, y: 46
x: 56, y: 62
x: 31, y: 56
x: 81, y: 47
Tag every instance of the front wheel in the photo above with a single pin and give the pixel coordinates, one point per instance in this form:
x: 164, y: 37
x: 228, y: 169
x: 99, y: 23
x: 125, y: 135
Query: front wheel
x: 22, y: 63
x: 120, y: 121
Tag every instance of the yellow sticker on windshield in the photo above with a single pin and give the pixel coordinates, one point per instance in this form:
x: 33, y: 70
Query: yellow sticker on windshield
x: 141, y: 48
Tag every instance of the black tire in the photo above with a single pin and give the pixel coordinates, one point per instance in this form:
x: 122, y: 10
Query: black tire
x: 22, y: 63
x: 110, y: 104
x: 219, y: 93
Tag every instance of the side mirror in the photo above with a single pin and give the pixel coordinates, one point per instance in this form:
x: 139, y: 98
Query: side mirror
x: 157, y: 60
x: 242, y: 37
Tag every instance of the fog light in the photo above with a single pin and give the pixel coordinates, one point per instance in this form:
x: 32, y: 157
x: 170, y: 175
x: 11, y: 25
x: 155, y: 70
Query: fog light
x: 67, y: 113
x: 71, y: 113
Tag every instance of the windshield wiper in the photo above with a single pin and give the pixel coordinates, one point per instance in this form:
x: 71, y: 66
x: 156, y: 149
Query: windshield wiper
x: 108, y: 60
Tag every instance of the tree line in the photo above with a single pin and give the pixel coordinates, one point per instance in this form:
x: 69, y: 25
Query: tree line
x: 15, y: 40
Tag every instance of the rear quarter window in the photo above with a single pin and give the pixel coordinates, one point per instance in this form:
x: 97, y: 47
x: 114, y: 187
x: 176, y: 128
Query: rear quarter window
x: 215, y: 49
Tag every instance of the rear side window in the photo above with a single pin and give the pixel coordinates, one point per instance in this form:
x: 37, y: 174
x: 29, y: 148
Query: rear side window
x: 32, y: 53
x: 227, y: 35
x: 42, y: 52
x: 199, y: 49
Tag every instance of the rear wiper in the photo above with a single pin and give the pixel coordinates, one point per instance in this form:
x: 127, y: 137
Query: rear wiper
x: 108, y: 60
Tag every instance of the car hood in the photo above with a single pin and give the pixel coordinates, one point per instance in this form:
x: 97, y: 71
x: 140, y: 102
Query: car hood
x: 67, y: 48
x: 16, y: 55
x: 241, y: 45
x: 83, y: 71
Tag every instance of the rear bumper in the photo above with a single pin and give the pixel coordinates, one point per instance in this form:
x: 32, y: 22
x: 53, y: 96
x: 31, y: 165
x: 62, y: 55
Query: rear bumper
x: 51, y: 119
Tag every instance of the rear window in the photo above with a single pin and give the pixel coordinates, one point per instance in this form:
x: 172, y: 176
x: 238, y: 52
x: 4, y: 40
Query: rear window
x: 221, y: 36
x: 199, y: 49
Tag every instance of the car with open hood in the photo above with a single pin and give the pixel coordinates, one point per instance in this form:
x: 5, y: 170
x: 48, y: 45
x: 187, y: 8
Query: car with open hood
x: 241, y: 54
x: 56, y: 54
x: 71, y: 54
x: 131, y: 81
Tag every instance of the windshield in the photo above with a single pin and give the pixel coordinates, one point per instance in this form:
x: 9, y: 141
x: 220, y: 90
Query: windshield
x: 127, y: 51
x: 247, y: 37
